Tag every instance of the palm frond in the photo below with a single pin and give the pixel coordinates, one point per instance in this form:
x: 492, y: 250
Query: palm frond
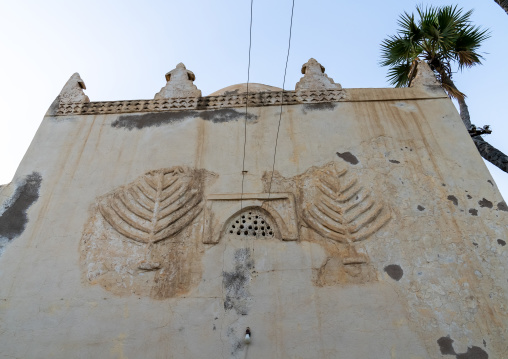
x: 408, y: 27
x: 467, y: 58
x: 464, y: 20
x: 452, y: 91
x: 465, y: 50
x: 447, y: 24
x: 397, y: 49
x: 398, y: 75
x: 441, y: 36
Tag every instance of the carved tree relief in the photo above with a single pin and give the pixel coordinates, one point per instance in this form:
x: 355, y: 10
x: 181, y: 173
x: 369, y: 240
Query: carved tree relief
x: 156, y: 206
x: 335, y: 205
x: 141, y: 238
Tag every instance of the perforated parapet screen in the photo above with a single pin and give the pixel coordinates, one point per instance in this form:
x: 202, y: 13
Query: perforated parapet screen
x: 251, y: 223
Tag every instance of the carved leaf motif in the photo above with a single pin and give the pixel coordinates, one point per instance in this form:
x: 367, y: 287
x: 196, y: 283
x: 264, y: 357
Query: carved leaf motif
x: 156, y: 206
x: 336, y: 206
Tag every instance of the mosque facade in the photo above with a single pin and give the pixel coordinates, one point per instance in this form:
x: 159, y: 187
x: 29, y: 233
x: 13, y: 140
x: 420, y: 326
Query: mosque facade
x: 320, y: 222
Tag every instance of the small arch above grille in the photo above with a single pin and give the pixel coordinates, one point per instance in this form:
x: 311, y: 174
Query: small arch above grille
x: 251, y: 223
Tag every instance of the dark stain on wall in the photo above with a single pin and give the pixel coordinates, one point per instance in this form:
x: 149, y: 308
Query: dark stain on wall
x: 229, y: 93
x: 454, y: 199
x: 420, y: 208
x: 14, y: 219
x: 327, y: 106
x: 237, y: 344
x: 446, y: 348
x: 236, y: 347
x: 446, y: 345
x: 236, y: 283
x: 474, y: 212
x: 348, y: 157
x: 394, y: 271
x: 225, y: 115
x: 502, y: 206
x: 485, y: 203
x: 473, y: 353
x: 501, y: 242
x: 157, y: 119
x: 394, y: 161
x: 139, y: 121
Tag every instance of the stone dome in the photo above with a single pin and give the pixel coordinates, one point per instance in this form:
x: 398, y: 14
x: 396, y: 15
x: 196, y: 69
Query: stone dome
x: 242, y: 88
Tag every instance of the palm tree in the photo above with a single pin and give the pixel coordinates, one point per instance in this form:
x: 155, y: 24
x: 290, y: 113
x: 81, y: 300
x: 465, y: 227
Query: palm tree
x: 503, y: 4
x: 442, y: 37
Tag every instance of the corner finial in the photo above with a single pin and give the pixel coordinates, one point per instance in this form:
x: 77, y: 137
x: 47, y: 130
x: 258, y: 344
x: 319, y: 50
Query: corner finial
x: 424, y: 76
x: 179, y: 84
x: 73, y: 92
x: 315, y: 78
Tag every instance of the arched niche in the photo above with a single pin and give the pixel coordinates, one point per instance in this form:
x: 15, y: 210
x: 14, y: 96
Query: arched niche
x: 252, y: 223
x: 221, y: 208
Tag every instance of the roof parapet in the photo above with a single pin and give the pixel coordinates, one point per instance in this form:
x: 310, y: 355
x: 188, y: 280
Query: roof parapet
x: 179, y: 84
x: 72, y: 92
x: 315, y: 78
x: 424, y: 76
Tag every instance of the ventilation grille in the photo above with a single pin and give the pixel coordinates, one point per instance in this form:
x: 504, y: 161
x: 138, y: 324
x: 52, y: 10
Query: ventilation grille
x: 251, y: 223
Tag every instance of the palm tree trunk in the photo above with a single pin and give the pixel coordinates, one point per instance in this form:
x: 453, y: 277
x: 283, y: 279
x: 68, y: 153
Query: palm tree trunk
x: 464, y: 112
x: 491, y: 154
x: 503, y: 4
x: 446, y: 81
x: 487, y: 151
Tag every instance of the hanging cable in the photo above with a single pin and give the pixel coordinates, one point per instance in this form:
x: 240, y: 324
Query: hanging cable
x: 282, y: 99
x: 246, y: 106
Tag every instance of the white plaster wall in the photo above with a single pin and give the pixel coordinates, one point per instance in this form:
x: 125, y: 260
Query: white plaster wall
x: 454, y: 280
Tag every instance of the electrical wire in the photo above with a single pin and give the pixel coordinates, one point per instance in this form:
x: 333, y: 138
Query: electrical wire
x: 281, y: 99
x: 246, y: 106
x: 243, y: 161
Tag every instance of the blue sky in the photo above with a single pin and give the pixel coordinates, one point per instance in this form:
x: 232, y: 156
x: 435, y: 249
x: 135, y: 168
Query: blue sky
x: 122, y: 49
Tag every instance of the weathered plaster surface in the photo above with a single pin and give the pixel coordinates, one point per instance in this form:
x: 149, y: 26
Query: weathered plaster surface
x: 426, y: 269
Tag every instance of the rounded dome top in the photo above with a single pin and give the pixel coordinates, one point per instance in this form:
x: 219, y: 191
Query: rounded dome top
x: 242, y: 88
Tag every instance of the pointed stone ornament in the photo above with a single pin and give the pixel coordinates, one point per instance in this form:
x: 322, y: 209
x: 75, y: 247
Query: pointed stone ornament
x: 73, y: 92
x: 315, y: 78
x: 179, y: 84
x: 424, y: 76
